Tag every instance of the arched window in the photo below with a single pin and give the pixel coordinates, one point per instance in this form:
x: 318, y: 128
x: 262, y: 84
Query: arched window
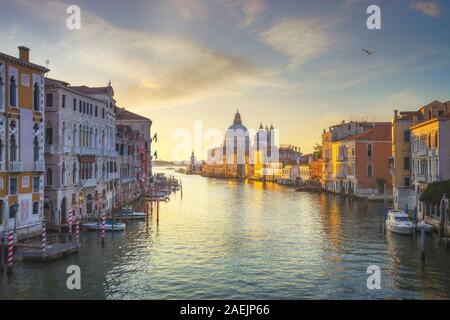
x: 35, y: 149
x: 74, y: 135
x: 49, y: 177
x: 64, y: 134
x: 1, y: 92
x: 12, y: 92
x: 80, y: 136
x: 49, y: 133
x: 1, y: 152
x: 36, y: 97
x: 74, y: 173
x: 96, y: 139
x: 63, y: 174
x: 12, y: 148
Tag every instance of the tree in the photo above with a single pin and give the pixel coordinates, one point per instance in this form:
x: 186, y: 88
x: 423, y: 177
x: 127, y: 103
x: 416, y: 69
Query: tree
x: 317, y: 151
x: 434, y: 192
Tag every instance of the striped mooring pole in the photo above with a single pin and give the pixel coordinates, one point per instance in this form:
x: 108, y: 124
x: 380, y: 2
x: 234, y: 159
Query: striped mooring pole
x: 70, y: 221
x: 10, y: 250
x: 77, y: 230
x: 43, y: 238
x: 103, y: 228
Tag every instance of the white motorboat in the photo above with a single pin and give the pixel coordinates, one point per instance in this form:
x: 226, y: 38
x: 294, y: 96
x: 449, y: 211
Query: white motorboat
x: 425, y: 226
x: 398, y: 222
x: 109, y: 226
x: 128, y: 213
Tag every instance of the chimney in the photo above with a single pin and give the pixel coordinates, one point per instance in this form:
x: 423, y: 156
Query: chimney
x: 396, y: 114
x: 24, y: 53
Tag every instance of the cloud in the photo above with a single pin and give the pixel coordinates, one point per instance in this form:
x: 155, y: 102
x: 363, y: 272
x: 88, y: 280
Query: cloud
x: 252, y: 9
x: 146, y: 69
x: 190, y: 9
x: 431, y: 9
x: 299, y: 40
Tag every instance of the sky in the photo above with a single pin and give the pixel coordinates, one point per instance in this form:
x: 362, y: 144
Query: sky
x: 295, y: 64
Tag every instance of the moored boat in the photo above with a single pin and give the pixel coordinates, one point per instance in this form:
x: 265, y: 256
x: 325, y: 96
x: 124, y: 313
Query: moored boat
x: 425, y: 226
x: 398, y: 222
x: 109, y: 226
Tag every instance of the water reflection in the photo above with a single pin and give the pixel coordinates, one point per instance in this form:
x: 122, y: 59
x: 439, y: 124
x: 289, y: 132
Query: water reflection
x: 244, y: 239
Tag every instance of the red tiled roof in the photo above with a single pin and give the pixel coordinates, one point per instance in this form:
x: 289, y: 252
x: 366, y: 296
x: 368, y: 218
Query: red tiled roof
x: 89, y: 90
x: 123, y: 114
x: 378, y: 133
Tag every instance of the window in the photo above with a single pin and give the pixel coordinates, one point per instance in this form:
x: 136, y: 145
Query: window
x: 84, y: 107
x: 96, y: 107
x: 36, y: 207
x: 12, y: 92
x: 369, y: 150
x: 63, y: 100
x: 36, y: 97
x: 406, y: 135
x: 1, y: 92
x: 36, y: 184
x: 49, y: 133
x: 49, y: 177
x: 74, y: 104
x: 103, y: 113
x: 49, y: 100
x: 406, y: 163
x: 63, y: 174
x: 12, y: 186
x: 80, y: 106
x: 369, y: 170
x: 407, y: 181
x: 13, y: 211
x: 36, y: 150
x: 2, y: 203
x: 25, y: 182
x: 12, y: 149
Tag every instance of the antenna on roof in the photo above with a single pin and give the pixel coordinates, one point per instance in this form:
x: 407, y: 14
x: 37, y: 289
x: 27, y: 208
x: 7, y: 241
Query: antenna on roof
x: 47, y: 63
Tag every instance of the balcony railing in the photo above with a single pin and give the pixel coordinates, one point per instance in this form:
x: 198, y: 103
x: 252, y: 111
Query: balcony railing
x: 49, y: 149
x: 85, y: 151
x: 66, y: 149
x: 15, y: 166
x: 39, y: 166
x: 88, y: 183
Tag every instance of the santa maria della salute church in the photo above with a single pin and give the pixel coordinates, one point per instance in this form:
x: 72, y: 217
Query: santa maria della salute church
x: 242, y: 157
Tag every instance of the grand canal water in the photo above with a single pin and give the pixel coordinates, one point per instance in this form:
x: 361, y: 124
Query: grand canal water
x: 244, y: 240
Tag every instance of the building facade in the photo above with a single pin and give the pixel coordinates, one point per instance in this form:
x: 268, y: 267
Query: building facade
x: 22, y: 119
x: 430, y: 155
x: 360, y: 163
x: 130, y: 147
x: 81, y: 170
x: 334, y: 133
x: 143, y: 126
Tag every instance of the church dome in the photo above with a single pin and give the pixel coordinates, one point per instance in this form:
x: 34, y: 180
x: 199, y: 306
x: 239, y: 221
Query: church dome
x: 237, y: 123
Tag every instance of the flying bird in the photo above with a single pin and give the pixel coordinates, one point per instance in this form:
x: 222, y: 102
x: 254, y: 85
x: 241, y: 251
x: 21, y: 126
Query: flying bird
x: 369, y: 52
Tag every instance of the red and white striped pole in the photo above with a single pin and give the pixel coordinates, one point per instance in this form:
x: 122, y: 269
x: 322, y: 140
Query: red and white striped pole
x: 103, y: 227
x: 43, y: 238
x: 10, y: 250
x: 77, y: 230
x: 70, y: 221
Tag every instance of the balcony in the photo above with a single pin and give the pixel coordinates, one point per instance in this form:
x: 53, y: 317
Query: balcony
x: 66, y: 149
x: 422, y: 152
x: 49, y: 149
x: 88, y: 183
x: 15, y: 166
x: 39, y: 166
x: 85, y: 151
